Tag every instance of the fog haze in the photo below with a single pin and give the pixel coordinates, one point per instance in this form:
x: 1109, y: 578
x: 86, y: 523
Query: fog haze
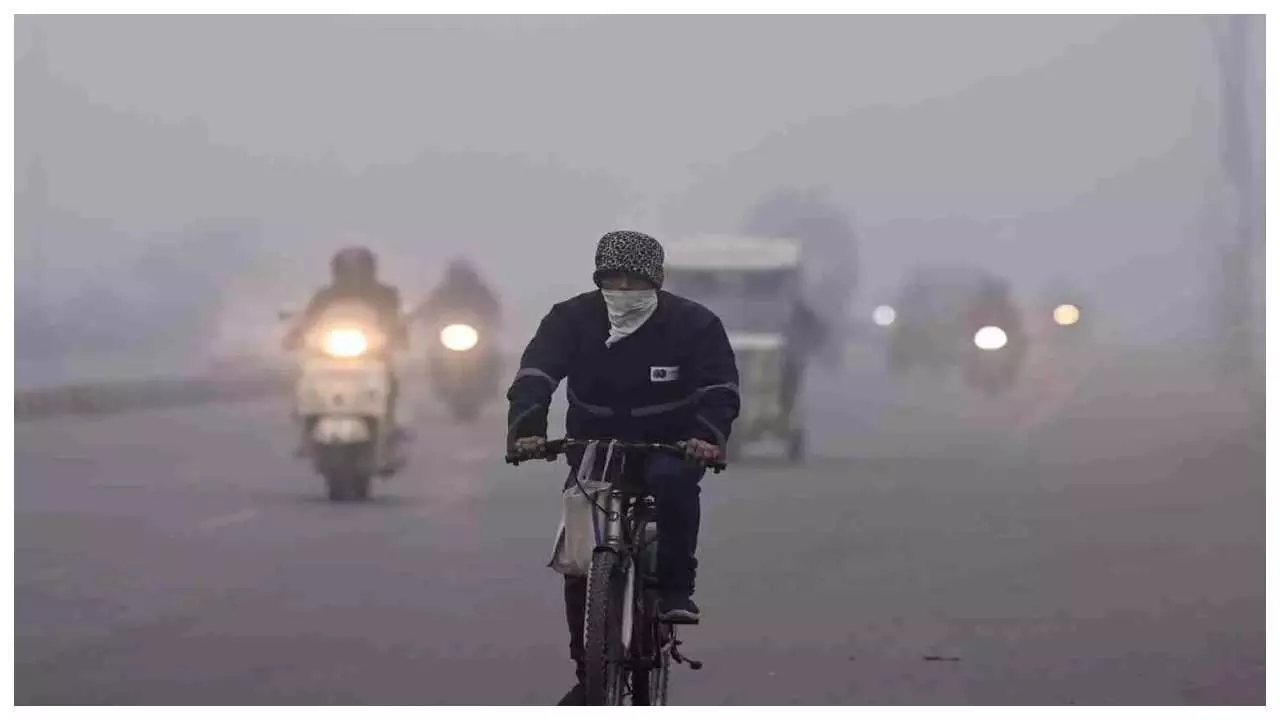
x: 1081, y: 151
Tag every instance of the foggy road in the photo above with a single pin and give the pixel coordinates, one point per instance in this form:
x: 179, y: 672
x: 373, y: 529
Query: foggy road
x: 1094, y: 536
x: 181, y: 556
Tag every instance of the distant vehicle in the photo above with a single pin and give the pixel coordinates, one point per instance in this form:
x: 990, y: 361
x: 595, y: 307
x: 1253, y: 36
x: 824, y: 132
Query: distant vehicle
x: 464, y: 367
x: 956, y: 318
x: 1064, y: 320
x: 464, y: 363
x: 755, y: 285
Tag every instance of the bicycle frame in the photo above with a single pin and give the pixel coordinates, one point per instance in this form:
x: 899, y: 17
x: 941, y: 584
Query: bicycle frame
x: 628, y: 511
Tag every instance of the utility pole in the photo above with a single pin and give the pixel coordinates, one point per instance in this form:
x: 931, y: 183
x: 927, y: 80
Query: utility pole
x: 1241, y: 247
x: 33, y: 204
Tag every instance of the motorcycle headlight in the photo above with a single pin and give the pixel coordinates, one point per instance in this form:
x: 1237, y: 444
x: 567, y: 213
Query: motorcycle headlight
x: 1066, y: 315
x: 884, y: 315
x: 459, y: 338
x: 990, y: 338
x: 345, y: 342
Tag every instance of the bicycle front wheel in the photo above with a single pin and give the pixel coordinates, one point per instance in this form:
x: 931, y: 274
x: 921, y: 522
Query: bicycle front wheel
x: 649, y: 682
x: 603, y: 650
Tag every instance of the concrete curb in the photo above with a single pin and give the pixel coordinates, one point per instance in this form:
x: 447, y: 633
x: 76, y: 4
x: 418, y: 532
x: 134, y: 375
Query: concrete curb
x: 106, y: 397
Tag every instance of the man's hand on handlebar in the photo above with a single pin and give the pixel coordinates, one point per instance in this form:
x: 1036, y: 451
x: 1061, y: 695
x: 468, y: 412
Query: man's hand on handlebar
x: 701, y: 451
x: 530, y: 447
x: 539, y: 448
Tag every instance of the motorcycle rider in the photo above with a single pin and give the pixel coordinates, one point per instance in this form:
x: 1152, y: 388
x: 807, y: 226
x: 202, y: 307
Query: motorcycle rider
x: 354, y: 272
x: 462, y: 298
x: 460, y: 292
x: 807, y: 333
x: 642, y: 365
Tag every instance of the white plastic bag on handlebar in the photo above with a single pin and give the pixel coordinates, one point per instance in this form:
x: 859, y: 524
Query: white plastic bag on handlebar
x: 582, y: 520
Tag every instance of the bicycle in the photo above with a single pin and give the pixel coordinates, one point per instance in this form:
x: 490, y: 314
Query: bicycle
x: 624, y: 658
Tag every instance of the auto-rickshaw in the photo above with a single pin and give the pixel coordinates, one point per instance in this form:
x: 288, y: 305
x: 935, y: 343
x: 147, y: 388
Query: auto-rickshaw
x: 754, y: 284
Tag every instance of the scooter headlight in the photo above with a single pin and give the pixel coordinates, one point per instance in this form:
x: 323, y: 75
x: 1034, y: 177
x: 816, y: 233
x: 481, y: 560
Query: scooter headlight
x: 345, y: 342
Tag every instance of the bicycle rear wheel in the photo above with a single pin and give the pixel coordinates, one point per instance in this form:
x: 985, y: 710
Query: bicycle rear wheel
x: 603, y: 650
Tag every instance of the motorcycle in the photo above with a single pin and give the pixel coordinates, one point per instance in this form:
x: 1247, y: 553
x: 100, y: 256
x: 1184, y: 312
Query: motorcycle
x: 344, y: 400
x: 993, y: 363
x: 957, y: 318
x: 464, y: 368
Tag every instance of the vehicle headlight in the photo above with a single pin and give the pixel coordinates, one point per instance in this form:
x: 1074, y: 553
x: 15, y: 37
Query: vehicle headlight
x: 1066, y: 315
x: 459, y: 338
x: 345, y: 342
x: 990, y: 338
x: 884, y: 316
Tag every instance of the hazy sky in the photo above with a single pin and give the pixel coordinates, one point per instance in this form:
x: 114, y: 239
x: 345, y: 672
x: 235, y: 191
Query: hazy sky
x: 1076, y: 148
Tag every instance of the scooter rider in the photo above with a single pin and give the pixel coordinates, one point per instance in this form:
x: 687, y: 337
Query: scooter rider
x: 355, y: 277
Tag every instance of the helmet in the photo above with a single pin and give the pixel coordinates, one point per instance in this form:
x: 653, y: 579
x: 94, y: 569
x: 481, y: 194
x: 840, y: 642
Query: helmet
x: 354, y: 266
x: 462, y: 271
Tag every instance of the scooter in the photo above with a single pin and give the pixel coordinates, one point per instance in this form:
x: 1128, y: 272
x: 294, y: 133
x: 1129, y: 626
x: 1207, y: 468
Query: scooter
x: 345, y: 401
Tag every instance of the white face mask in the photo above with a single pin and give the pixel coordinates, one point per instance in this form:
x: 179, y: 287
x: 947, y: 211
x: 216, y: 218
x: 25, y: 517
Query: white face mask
x: 628, y: 310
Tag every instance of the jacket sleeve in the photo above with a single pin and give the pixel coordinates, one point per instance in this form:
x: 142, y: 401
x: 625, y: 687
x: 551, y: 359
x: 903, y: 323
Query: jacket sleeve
x: 543, y: 365
x: 811, y: 330
x: 294, y: 336
x: 399, y: 326
x: 715, y: 378
x: 492, y: 310
x: 427, y: 308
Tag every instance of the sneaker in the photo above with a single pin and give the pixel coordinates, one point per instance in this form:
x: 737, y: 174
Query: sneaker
x: 577, y: 695
x: 678, y: 609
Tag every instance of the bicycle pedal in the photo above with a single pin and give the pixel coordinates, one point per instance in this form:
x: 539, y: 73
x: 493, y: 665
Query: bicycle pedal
x: 681, y: 659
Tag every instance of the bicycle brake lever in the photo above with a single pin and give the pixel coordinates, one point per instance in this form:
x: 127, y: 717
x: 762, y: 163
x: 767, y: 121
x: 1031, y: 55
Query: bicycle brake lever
x: 516, y: 458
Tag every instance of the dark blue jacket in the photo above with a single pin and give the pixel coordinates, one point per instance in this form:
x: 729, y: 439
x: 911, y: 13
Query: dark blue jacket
x: 673, y: 379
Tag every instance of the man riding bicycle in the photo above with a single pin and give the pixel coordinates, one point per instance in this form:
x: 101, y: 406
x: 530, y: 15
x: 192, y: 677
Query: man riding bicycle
x: 642, y: 365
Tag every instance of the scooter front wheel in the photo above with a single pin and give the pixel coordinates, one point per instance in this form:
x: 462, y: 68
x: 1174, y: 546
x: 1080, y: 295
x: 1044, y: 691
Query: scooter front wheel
x: 346, y: 488
x: 345, y: 471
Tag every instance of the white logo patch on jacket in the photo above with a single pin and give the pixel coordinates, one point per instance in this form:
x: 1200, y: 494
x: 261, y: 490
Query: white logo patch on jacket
x: 664, y: 374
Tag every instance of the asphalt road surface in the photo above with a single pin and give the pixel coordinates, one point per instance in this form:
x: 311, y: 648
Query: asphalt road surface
x: 1069, y: 545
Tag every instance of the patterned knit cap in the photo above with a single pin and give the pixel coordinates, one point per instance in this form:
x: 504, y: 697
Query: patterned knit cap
x: 630, y: 252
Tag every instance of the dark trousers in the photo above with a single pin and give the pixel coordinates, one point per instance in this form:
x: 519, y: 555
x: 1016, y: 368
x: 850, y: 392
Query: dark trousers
x: 675, y: 485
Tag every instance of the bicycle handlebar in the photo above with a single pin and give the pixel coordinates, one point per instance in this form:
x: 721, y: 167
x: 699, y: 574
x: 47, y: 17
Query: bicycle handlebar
x: 554, y: 448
